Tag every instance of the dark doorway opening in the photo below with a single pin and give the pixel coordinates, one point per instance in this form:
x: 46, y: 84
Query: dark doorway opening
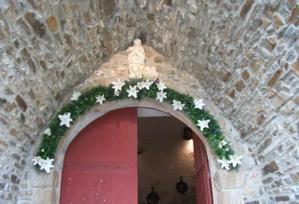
x: 163, y: 157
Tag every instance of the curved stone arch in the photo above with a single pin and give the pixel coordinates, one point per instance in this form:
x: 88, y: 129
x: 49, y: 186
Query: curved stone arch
x: 227, y: 187
x: 100, y: 110
x: 53, y: 181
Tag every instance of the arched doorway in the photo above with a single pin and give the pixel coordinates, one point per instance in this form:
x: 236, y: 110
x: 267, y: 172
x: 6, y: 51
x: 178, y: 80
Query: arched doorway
x: 100, y: 164
x: 228, y: 187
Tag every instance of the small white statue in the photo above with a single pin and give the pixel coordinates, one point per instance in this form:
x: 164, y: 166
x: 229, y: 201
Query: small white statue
x: 136, y: 59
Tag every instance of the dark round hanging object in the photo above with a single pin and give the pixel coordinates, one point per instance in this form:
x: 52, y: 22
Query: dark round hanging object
x: 181, y: 186
x: 152, y: 197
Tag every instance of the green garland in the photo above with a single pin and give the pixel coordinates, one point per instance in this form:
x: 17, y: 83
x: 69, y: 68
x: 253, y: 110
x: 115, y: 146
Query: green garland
x: 87, y: 100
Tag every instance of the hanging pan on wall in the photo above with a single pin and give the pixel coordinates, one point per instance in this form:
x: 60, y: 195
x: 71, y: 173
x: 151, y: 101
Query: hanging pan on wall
x: 152, y: 197
x: 181, y: 186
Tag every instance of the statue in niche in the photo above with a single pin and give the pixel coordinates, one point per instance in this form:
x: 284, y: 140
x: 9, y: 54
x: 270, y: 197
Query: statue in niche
x: 136, y: 59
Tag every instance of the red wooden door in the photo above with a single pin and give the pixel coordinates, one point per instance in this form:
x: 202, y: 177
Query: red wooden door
x: 203, y: 179
x: 100, y: 165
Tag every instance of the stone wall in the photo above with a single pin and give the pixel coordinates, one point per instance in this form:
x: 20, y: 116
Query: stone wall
x: 46, y: 48
x: 244, y: 53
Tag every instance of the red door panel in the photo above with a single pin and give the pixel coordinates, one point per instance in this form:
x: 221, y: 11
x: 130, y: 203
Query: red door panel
x: 100, y: 164
x: 203, y: 180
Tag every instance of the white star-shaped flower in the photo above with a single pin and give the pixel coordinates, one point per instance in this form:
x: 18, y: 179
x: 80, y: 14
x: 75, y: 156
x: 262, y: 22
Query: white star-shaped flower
x: 161, y: 86
x: 235, y: 160
x: 222, y: 143
x: 65, y: 119
x: 75, y: 96
x: 36, y: 160
x: 117, y: 86
x: 224, y: 164
x: 46, y: 164
x: 47, y: 132
x: 198, y: 103
x: 132, y: 91
x: 203, y: 124
x: 177, y: 105
x: 144, y: 84
x: 160, y: 96
x: 100, y: 99
x: 147, y: 84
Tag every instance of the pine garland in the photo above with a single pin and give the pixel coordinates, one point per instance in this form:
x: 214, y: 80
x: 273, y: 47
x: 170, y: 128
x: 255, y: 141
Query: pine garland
x: 87, y: 100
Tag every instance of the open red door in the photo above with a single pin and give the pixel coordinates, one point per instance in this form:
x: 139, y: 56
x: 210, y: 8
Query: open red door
x: 203, y: 179
x: 100, y: 165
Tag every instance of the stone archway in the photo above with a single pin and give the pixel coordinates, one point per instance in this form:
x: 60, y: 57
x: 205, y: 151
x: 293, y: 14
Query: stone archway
x: 228, y: 187
x: 244, y: 53
x: 100, y: 111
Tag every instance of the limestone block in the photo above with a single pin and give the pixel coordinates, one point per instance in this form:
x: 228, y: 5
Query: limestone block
x: 41, y: 179
x: 43, y: 195
x: 230, y: 197
x: 227, y: 180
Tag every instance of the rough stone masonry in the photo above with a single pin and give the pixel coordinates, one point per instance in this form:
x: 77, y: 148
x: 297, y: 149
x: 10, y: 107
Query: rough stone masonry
x: 245, y: 53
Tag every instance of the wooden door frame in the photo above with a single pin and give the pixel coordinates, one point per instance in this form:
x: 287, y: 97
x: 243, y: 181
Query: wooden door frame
x: 99, y: 111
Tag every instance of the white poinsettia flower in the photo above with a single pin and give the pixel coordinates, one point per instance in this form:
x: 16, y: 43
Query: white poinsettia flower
x: 161, y: 86
x: 100, y: 99
x: 203, y: 124
x: 147, y: 84
x: 222, y: 143
x: 46, y: 164
x: 224, y: 164
x: 160, y: 96
x: 47, y: 132
x: 177, y: 105
x: 117, y: 86
x: 36, y: 160
x: 65, y: 119
x: 132, y: 91
x: 198, y: 103
x: 234, y: 160
x: 75, y: 96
